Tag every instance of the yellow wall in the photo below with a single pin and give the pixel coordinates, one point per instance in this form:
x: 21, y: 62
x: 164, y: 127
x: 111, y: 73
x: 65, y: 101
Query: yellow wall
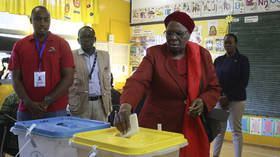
x: 5, y: 90
x: 114, y: 19
x: 257, y: 139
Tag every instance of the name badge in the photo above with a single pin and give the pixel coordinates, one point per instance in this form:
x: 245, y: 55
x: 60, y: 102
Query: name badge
x: 40, y: 79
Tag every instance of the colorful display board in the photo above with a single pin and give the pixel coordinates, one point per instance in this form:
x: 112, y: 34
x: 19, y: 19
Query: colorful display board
x: 144, y: 11
x: 86, y: 11
x: 207, y: 33
x: 259, y: 126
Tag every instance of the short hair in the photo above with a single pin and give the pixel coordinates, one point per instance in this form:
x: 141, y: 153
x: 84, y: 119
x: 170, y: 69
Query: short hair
x: 38, y: 7
x: 232, y: 35
x: 86, y: 27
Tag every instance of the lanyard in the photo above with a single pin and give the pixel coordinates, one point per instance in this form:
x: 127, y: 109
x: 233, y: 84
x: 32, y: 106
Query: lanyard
x: 40, y: 51
x: 93, y: 65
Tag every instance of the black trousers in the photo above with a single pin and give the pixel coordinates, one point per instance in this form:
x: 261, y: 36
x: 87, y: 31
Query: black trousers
x: 8, y: 141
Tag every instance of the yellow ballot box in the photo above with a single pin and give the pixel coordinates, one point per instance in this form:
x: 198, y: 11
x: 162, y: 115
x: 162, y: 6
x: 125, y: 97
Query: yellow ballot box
x: 145, y: 143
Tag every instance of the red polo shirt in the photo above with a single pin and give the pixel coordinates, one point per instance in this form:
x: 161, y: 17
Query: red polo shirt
x: 56, y: 56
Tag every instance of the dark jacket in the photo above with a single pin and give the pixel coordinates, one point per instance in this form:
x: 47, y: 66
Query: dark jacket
x: 233, y: 74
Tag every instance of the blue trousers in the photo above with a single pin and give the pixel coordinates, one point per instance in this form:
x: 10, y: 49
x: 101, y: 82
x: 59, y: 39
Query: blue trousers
x: 23, y: 116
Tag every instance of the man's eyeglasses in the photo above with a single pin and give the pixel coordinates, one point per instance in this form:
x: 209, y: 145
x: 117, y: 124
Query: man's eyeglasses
x: 177, y: 34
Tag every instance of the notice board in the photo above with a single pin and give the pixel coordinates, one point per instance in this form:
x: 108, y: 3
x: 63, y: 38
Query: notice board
x: 259, y: 39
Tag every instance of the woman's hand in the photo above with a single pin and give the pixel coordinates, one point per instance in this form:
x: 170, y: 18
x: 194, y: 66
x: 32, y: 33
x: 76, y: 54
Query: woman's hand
x: 196, y: 107
x: 121, y: 121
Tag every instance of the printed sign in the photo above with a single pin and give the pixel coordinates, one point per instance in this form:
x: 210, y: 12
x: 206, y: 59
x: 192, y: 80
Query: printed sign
x: 255, y: 126
x: 246, y: 124
x: 277, y: 128
x: 268, y: 127
x: 209, y: 43
x: 157, y: 10
x: 251, y: 19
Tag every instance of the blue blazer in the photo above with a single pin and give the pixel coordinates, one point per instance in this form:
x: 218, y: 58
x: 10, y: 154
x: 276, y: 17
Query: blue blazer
x: 233, y: 74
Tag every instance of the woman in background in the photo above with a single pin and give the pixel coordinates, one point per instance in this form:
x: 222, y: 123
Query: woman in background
x: 233, y: 72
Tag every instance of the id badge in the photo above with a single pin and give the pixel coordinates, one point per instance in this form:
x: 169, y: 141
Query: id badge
x: 40, y: 79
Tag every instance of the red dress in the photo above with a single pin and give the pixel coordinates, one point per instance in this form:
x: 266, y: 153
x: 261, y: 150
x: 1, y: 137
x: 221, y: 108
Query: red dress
x: 158, y: 78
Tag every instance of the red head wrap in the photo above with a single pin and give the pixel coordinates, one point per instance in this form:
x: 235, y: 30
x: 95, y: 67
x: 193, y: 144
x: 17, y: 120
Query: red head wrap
x: 182, y: 18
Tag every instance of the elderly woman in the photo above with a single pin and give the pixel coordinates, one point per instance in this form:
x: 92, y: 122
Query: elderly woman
x: 180, y: 83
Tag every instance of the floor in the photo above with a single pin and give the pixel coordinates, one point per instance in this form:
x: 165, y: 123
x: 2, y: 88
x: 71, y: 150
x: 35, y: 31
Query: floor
x: 248, y: 151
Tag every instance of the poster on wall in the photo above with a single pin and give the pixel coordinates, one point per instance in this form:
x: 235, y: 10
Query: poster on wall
x: 72, y: 10
x: 186, y: 7
x: 209, y: 43
x: 76, y: 11
x: 212, y: 27
x: 274, y: 5
x: 134, y: 50
x: 155, y: 11
x: 143, y: 11
x: 225, y: 7
x: 135, y: 16
x: 196, y: 35
x: 195, y: 8
x: 137, y: 30
x: 268, y: 127
x: 142, y: 39
x: 167, y: 9
x: 212, y: 33
x: 277, y: 128
x: 4, y: 63
x: 209, y: 8
x: 255, y: 126
x: 220, y: 44
x: 246, y: 124
x: 222, y: 29
x: 239, y: 6
x: 253, y: 6
x: 216, y: 7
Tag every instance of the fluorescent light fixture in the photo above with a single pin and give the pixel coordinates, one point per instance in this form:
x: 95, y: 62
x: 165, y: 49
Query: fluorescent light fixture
x: 12, y: 35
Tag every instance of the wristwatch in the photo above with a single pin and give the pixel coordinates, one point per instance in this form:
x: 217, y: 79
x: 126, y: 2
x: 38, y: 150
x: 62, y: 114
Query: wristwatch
x: 48, y: 99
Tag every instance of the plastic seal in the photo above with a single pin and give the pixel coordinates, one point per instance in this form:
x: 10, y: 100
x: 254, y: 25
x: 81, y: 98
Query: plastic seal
x: 93, y: 151
x: 29, y: 135
x: 159, y: 127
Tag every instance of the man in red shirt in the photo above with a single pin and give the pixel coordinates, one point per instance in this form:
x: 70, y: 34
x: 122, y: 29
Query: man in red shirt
x: 42, y: 70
